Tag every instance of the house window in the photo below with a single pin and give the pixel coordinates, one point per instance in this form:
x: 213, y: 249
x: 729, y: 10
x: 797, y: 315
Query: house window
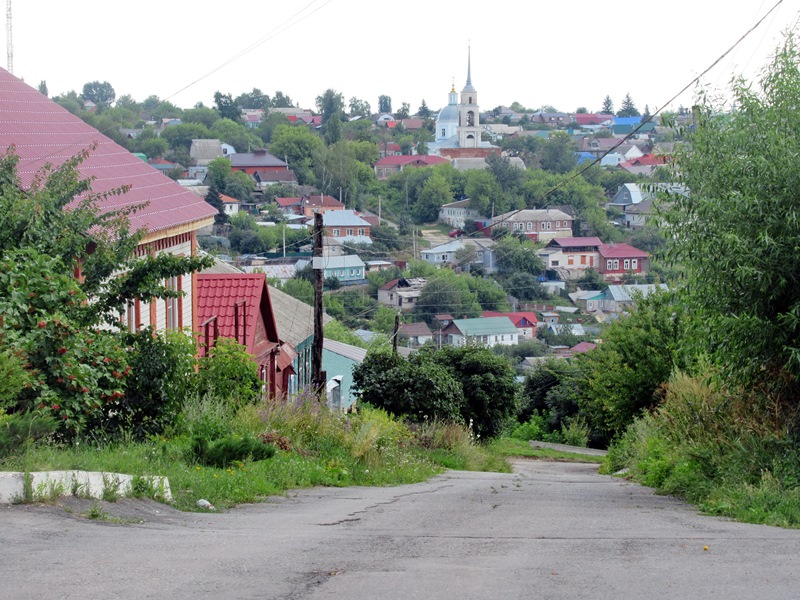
x: 361, y: 231
x: 549, y: 225
x: 132, y: 317
x: 583, y: 259
x: 443, y: 132
x: 571, y: 261
x: 348, y: 232
x: 616, y: 265
x: 627, y: 265
x: 173, y: 304
x: 530, y: 226
x: 554, y: 263
x: 516, y: 226
x: 336, y: 233
x: 558, y: 224
x: 609, y: 265
x: 635, y: 263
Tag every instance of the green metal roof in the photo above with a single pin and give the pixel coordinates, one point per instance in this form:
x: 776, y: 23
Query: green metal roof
x: 485, y: 326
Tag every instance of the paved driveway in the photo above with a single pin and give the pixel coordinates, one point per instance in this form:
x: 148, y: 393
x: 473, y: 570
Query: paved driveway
x: 549, y: 530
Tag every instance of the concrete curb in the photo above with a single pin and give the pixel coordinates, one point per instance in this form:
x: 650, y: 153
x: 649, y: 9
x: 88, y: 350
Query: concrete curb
x: 16, y: 487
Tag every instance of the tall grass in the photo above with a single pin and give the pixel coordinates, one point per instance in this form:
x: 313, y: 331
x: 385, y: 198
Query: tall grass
x: 314, y: 447
x: 728, y: 452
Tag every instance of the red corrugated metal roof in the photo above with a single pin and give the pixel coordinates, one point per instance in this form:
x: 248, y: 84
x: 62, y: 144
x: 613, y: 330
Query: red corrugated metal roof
x: 648, y: 160
x: 43, y: 132
x: 621, y: 251
x: 217, y: 296
x: 516, y: 317
x: 575, y: 242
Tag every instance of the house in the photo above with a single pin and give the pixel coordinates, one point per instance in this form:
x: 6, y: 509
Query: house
x: 582, y: 348
x: 348, y: 269
x: 414, y: 335
x: 645, y: 164
x: 389, y: 165
x: 548, y: 318
x: 401, y: 293
x: 483, y: 331
x: 338, y: 361
x: 204, y: 151
x: 238, y: 306
x: 584, y: 119
x: 551, y: 119
x: 570, y: 257
x: 525, y: 322
x: 165, y: 166
x: 308, y: 206
x: 43, y: 133
x: 638, y: 215
x: 482, y: 254
x: 345, y: 226
x: 257, y: 161
x: 619, y: 298
x: 442, y: 255
x: 536, y: 224
x: 387, y: 148
x: 575, y: 329
x: 618, y: 260
x: 457, y: 213
x: 230, y: 205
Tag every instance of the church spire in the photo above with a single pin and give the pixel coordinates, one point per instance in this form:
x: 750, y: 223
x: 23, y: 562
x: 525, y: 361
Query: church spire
x: 469, y: 87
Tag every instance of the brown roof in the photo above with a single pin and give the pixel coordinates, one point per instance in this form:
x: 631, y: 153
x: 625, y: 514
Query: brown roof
x: 259, y: 158
x: 415, y: 329
x: 43, y: 132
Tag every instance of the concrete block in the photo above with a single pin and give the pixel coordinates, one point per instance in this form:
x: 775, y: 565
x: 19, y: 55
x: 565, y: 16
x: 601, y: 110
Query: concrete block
x: 49, y: 485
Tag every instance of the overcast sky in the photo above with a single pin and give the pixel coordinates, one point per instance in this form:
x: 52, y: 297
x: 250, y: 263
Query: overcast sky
x: 566, y: 54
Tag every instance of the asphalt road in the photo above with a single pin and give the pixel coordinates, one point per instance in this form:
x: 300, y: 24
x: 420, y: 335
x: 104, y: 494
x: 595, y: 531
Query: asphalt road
x: 550, y: 530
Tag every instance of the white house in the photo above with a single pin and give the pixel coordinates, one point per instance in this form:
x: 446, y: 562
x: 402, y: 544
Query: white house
x: 442, y: 255
x: 457, y: 213
x: 483, y: 331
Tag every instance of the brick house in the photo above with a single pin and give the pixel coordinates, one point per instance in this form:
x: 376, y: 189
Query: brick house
x: 537, y: 224
x: 618, y: 260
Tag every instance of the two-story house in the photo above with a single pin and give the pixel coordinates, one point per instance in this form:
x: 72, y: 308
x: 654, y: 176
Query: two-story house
x: 308, y: 206
x: 536, y: 224
x: 389, y: 165
x: 345, y: 226
x: 570, y: 257
x: 525, y: 322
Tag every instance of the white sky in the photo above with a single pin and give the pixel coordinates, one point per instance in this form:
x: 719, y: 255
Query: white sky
x: 566, y: 54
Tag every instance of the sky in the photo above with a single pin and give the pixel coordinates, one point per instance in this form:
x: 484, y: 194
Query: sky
x: 570, y: 54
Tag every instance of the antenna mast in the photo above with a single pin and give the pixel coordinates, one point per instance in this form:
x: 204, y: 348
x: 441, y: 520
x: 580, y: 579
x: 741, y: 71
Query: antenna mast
x: 9, y: 42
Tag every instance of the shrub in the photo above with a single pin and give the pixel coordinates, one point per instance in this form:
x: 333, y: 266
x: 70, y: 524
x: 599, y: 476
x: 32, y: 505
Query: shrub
x: 20, y: 429
x: 222, y: 452
x: 229, y: 371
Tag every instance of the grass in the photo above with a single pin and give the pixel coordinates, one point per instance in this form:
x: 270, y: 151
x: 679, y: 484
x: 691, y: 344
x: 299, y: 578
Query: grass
x: 313, y: 448
x: 511, y: 448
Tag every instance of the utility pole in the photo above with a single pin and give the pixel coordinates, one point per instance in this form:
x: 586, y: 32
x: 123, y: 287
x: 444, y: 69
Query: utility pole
x: 395, y: 332
x: 318, y: 378
x: 379, y: 210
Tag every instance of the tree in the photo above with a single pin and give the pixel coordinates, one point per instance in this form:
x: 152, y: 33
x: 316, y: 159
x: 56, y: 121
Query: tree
x: 450, y: 293
x: 99, y: 93
x: 43, y: 87
x: 514, y: 255
x: 252, y: 100
x: 404, y: 112
x: 226, y: 107
x: 384, y: 104
x: 628, y: 108
x: 330, y: 103
x: 423, y: 111
x: 735, y: 234
x: 435, y: 192
x: 199, y: 114
x: 333, y: 129
x: 235, y: 134
x: 608, y: 106
x: 581, y: 110
x: 214, y: 199
x: 559, y: 153
x: 78, y: 363
x: 298, y: 146
x: 359, y: 108
x: 181, y: 136
x: 280, y: 100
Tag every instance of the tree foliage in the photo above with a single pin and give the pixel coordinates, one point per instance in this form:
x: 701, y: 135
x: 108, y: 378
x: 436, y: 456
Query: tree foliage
x: 98, y: 92
x: 736, y: 233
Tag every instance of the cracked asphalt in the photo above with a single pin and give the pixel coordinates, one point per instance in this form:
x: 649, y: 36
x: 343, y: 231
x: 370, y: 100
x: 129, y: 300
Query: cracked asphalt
x: 548, y: 530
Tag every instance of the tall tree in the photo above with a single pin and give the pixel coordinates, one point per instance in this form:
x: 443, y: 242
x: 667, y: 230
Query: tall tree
x: 404, y: 111
x: 736, y: 233
x: 226, y: 107
x: 330, y: 103
x: 99, y: 92
x: 558, y: 153
x: 43, y: 87
x: 608, y: 106
x: 359, y: 108
x: 628, y: 108
x: 297, y: 145
x: 384, y: 104
x: 423, y: 110
x: 333, y: 129
x: 255, y: 99
x: 281, y: 100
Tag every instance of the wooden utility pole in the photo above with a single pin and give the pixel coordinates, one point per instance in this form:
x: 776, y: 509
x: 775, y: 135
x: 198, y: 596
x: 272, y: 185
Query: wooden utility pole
x: 395, y: 333
x: 317, y: 374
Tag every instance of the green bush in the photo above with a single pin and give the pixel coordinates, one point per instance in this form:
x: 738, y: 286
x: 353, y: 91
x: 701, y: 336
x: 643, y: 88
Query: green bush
x: 225, y: 451
x: 20, y: 429
x: 229, y: 371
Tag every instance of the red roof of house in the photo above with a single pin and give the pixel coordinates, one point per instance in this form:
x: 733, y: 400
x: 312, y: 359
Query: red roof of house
x: 574, y: 242
x: 413, y: 123
x: 391, y: 147
x: 516, y: 317
x: 323, y: 201
x: 389, y: 285
x: 43, y: 132
x: 391, y: 124
x: 286, y: 202
x: 279, y: 175
x: 217, y: 296
x: 621, y: 251
x: 228, y: 199
x: 648, y: 160
x: 402, y: 160
x: 415, y: 329
x: 583, y: 347
x: 591, y: 119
